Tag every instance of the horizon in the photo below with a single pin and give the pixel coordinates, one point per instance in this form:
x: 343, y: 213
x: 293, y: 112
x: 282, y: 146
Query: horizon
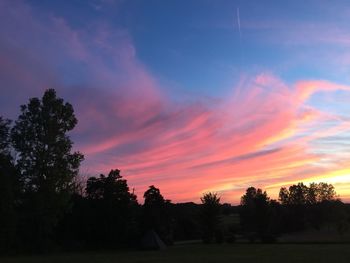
x: 191, y: 97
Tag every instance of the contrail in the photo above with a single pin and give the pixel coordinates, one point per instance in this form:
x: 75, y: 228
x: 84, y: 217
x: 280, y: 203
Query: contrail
x: 241, y: 50
x: 239, y: 24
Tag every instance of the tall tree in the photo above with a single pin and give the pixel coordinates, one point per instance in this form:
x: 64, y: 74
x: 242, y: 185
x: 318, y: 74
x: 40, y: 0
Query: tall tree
x: 210, y: 217
x: 46, y: 163
x: 255, y: 212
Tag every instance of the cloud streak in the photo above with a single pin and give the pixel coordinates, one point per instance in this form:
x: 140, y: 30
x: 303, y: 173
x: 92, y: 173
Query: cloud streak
x: 258, y: 136
x: 239, y: 24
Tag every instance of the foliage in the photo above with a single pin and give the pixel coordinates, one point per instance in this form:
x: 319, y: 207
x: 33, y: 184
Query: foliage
x: 257, y: 213
x: 153, y: 198
x: 46, y: 165
x: 308, y: 205
x: 210, y: 218
x: 111, y: 188
x: 157, y: 215
x: 300, y: 194
x: 111, y: 210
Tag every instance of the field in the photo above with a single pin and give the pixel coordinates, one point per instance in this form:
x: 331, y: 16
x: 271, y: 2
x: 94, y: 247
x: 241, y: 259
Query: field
x: 206, y: 253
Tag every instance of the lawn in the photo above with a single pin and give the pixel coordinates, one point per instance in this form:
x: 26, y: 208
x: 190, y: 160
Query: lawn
x: 206, y: 253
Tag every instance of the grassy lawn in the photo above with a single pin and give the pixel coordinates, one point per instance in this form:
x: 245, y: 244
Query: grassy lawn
x: 206, y: 253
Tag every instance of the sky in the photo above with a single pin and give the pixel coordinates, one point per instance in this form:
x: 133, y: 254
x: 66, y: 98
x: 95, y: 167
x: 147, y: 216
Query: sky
x: 191, y: 96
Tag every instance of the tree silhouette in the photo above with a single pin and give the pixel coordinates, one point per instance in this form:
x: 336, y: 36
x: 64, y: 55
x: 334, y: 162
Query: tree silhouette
x: 156, y: 214
x: 113, y: 188
x: 255, y: 212
x: 46, y: 164
x: 210, y: 217
x: 111, y: 209
x: 301, y: 194
x: 308, y: 205
x: 253, y: 195
x: 153, y: 197
x: 283, y: 196
x: 298, y: 194
x: 320, y: 192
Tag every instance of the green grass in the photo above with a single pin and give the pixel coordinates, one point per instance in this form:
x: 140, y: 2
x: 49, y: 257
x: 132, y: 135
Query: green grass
x: 282, y: 253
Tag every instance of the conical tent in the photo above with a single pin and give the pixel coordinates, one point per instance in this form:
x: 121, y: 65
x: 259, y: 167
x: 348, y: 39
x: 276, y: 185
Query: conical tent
x: 151, y: 240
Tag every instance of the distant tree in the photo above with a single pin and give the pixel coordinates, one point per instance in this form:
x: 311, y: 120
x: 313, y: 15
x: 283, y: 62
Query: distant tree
x: 8, y: 190
x: 255, y: 212
x: 325, y: 209
x: 308, y: 205
x: 253, y: 195
x: 112, y: 187
x: 320, y: 192
x: 298, y: 194
x: 284, y: 196
x: 301, y: 194
x: 112, y: 208
x: 46, y: 164
x: 295, y: 199
x: 210, y: 217
x: 157, y: 214
x: 153, y: 197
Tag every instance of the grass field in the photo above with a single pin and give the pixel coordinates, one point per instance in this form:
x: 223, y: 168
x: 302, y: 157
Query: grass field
x: 282, y: 253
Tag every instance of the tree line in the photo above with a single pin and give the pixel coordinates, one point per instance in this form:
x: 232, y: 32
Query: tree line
x: 44, y: 207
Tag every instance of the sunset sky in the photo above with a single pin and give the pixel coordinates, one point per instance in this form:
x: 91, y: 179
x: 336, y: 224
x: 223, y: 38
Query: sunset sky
x: 191, y: 96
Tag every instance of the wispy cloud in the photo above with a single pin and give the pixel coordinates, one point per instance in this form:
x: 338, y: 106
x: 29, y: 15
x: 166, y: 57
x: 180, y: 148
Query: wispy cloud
x: 239, y: 24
